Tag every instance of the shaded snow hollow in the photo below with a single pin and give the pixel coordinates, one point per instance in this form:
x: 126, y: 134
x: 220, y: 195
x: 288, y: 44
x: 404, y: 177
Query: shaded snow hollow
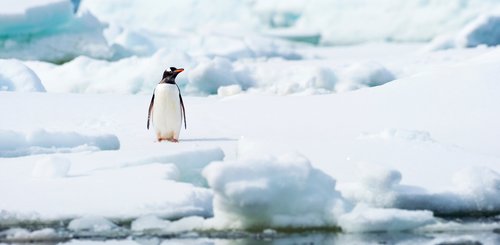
x: 15, y: 144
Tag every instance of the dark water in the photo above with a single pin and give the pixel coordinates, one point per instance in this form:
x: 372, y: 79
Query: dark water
x: 456, y: 237
x: 469, y: 232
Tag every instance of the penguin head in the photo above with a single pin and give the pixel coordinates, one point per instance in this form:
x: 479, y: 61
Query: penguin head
x: 169, y: 76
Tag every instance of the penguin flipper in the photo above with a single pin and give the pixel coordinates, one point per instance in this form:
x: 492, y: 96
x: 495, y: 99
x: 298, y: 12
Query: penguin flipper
x: 183, y: 110
x: 150, y: 109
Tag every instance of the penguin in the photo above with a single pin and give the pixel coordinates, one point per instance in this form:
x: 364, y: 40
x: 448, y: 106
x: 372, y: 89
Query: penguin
x: 166, y: 109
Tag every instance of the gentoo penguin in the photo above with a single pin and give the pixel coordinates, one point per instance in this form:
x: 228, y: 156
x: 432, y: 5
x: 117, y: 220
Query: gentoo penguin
x: 167, y: 107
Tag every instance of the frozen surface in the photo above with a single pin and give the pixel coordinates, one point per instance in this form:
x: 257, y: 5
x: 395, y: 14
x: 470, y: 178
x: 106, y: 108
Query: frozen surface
x: 286, y: 132
x: 15, y: 76
x: 378, y: 143
x: 51, y: 167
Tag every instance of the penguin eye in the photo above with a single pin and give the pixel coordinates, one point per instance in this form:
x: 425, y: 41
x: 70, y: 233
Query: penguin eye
x: 172, y: 68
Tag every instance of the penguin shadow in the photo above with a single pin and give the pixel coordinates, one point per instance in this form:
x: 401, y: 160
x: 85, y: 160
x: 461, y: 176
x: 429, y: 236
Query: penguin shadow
x: 208, y: 140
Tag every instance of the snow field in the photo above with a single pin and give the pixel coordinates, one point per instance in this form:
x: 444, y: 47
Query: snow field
x: 424, y: 142
x: 51, y: 167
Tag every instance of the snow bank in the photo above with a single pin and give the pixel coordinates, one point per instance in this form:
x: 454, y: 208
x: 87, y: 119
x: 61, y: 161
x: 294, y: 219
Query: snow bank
x: 284, y: 191
x: 91, y: 223
x: 366, y: 219
x: 15, y: 76
x: 51, y: 167
x: 49, y: 30
x: 15, y: 144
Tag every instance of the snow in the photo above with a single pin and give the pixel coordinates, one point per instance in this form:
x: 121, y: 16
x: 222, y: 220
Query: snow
x: 269, y: 191
x: 15, y: 76
x: 51, y: 167
x: 286, y: 131
x: 40, y: 141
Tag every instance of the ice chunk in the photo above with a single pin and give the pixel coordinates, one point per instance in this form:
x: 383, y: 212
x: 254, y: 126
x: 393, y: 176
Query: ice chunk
x: 28, y: 16
x: 377, y: 186
x: 51, y: 167
x: 366, y: 219
x: 364, y: 74
x: 208, y: 76
x: 49, y: 30
x: 15, y: 76
x: 485, y: 30
x: 269, y: 191
x: 22, y: 235
x: 480, y: 187
x: 91, y: 223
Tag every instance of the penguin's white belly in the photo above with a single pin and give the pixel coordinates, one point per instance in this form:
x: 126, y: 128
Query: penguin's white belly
x: 167, y: 119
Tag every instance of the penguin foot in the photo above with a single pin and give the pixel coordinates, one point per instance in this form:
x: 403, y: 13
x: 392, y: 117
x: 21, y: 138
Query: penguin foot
x: 173, y: 140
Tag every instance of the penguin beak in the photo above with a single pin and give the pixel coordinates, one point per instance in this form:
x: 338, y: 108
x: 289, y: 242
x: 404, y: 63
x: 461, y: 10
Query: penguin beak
x: 179, y: 70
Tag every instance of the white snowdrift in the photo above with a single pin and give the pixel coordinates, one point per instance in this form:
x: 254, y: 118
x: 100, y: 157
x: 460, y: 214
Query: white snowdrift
x: 283, y: 191
x: 15, y: 76
x: 49, y: 30
x: 15, y: 144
